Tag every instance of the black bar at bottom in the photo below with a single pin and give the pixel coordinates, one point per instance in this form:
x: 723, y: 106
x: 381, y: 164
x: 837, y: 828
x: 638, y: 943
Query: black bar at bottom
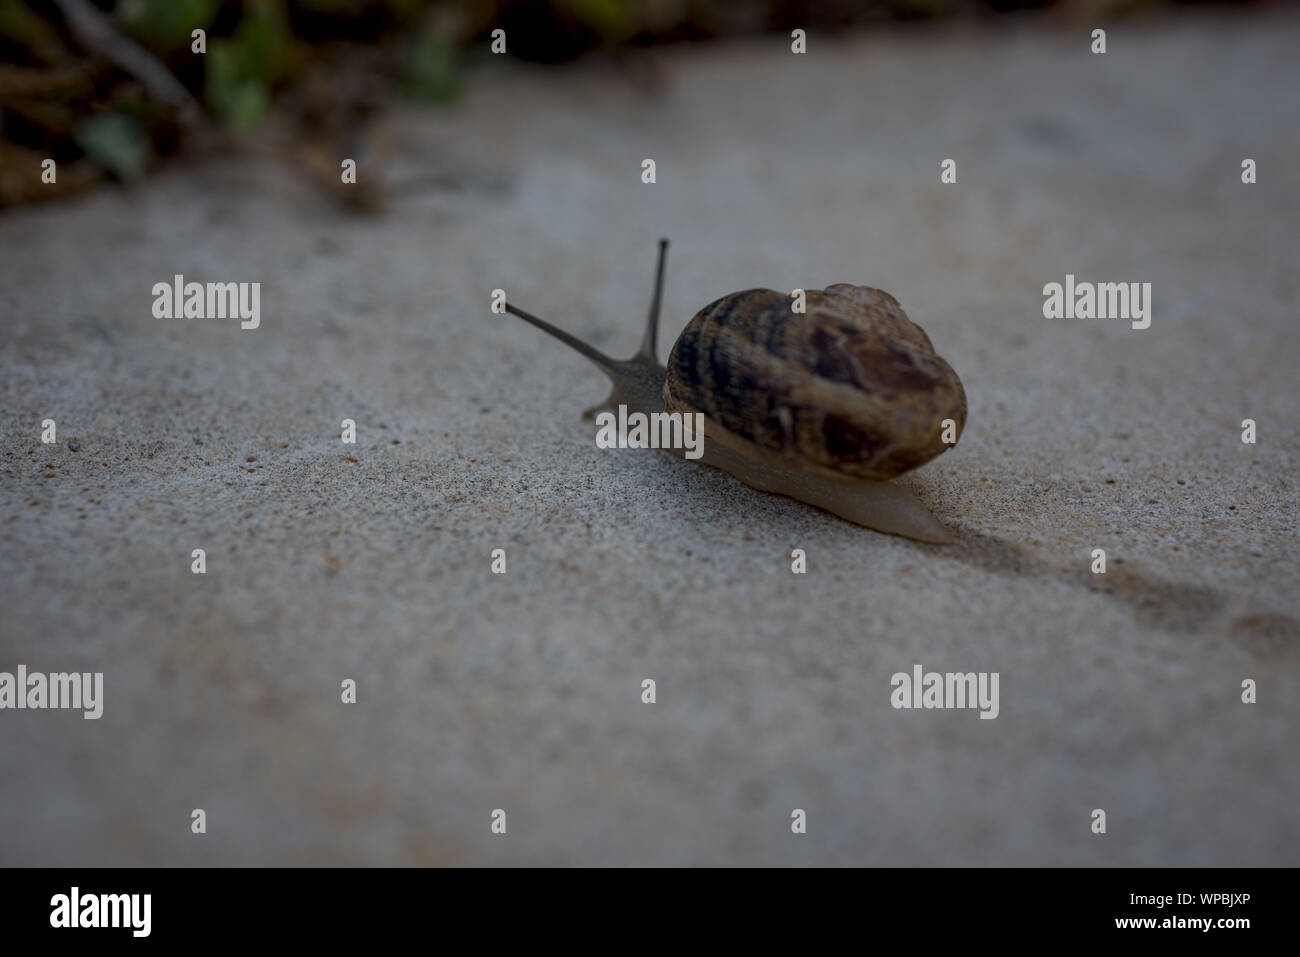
x: 333, y: 907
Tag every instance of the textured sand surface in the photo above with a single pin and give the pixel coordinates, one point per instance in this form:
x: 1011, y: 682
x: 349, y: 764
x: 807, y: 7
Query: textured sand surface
x: 523, y: 691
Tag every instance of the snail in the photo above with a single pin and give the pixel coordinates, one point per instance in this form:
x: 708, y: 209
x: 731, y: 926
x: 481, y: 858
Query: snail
x: 824, y: 406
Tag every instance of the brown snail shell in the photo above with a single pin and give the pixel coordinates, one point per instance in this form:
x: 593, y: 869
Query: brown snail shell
x: 851, y: 388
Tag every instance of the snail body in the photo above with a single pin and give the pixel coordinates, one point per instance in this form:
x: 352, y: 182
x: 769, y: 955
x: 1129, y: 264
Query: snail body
x: 824, y: 406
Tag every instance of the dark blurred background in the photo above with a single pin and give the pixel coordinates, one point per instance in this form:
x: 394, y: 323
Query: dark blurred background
x: 112, y: 89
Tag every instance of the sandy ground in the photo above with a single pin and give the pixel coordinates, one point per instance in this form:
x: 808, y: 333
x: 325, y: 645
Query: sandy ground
x: 523, y: 691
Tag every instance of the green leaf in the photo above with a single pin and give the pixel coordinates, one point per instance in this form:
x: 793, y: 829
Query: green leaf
x: 165, y: 24
x: 429, y: 69
x: 240, y: 98
x: 116, y: 142
x: 248, y: 105
x: 261, y: 39
x: 609, y: 18
x: 18, y: 23
x: 240, y: 70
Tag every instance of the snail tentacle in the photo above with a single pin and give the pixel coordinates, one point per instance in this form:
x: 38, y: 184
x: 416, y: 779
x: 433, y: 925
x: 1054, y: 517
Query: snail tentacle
x: 648, y: 344
x: 604, y: 362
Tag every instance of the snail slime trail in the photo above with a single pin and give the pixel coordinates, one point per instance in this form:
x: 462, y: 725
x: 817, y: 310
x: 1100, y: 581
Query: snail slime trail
x: 654, y: 430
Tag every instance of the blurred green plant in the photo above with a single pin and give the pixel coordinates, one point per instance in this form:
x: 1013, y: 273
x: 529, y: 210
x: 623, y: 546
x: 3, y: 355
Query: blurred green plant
x: 612, y: 19
x: 241, y: 100
x: 21, y: 25
x: 242, y: 69
x: 117, y: 142
x: 430, y: 69
x: 165, y: 24
x: 63, y: 93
